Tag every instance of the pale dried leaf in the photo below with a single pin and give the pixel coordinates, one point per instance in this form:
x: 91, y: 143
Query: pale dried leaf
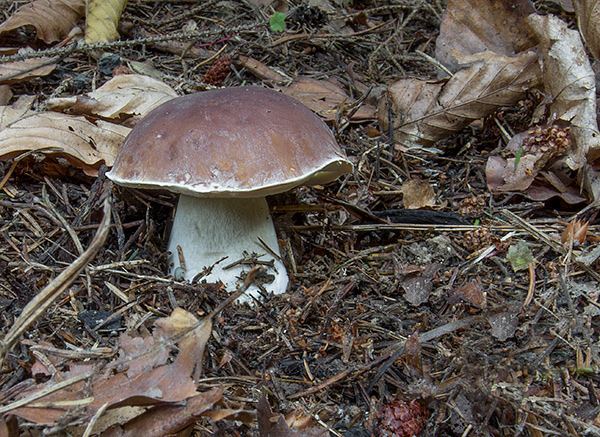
x: 101, y: 20
x: 326, y: 98
x: 80, y: 141
x: 11, y: 72
x: 20, y: 109
x: 417, y: 194
x: 475, y: 26
x: 122, y: 97
x: 430, y: 111
x: 52, y: 19
x: 570, y: 82
x: 588, y: 18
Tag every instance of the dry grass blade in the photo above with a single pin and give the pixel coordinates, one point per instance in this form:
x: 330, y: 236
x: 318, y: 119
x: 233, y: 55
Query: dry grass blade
x: 48, y: 295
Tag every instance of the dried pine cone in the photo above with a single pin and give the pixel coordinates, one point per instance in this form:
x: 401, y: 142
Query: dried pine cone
x: 401, y: 419
x: 217, y: 73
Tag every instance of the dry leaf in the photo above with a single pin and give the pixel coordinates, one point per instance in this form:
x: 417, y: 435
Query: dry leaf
x: 575, y: 231
x: 418, y: 288
x: 570, y: 82
x: 164, y: 420
x: 503, y: 325
x: 472, y: 293
x: 475, y: 26
x: 83, y: 143
x: 588, y: 17
x: 137, y: 377
x: 274, y: 425
x: 101, y: 20
x: 122, y: 97
x: 502, y: 176
x: 5, y: 95
x: 417, y: 194
x: 429, y: 111
x: 11, y: 72
x: 16, y: 111
x: 52, y: 19
x: 326, y: 98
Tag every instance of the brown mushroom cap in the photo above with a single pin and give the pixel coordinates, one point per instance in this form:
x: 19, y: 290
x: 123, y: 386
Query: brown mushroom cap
x: 231, y: 142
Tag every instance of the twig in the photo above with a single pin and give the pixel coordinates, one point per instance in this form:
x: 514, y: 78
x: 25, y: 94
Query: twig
x: 36, y: 307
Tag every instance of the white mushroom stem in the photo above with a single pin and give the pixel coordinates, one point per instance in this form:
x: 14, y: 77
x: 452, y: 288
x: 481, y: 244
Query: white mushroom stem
x: 209, y: 229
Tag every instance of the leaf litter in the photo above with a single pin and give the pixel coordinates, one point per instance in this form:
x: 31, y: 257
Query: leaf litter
x: 388, y: 327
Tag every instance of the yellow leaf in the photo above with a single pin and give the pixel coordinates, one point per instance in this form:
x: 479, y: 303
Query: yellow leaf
x: 101, y: 20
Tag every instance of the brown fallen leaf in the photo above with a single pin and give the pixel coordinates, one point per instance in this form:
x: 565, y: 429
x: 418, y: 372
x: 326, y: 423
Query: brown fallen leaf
x: 432, y: 110
x: 417, y: 289
x: 274, y: 425
x: 17, y: 71
x: 503, y: 176
x: 101, y: 20
x: 85, y: 144
x: 163, y: 420
x: 570, y: 82
x: 52, y: 19
x: 417, y: 194
x: 327, y: 98
x: 476, y: 26
x: 125, y: 97
x: 140, y: 376
x: 472, y: 293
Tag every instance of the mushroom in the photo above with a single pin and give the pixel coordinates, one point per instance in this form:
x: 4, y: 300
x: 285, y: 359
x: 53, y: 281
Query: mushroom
x: 224, y: 150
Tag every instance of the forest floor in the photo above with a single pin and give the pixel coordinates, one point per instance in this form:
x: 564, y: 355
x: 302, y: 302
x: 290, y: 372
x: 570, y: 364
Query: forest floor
x: 387, y: 314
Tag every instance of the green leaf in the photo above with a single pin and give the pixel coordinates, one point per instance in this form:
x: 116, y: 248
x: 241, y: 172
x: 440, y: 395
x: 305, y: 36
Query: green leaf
x: 518, y: 157
x: 519, y: 255
x: 277, y: 22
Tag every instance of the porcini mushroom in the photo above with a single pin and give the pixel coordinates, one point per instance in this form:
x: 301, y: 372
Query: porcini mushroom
x: 224, y: 150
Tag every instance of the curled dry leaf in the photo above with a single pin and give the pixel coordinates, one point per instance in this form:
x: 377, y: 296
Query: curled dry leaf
x: 11, y: 72
x: 125, y: 97
x: 81, y: 142
x: 137, y: 377
x: 570, y: 81
x: 430, y: 111
x: 588, y: 17
x: 52, y: 19
x: 101, y: 20
x: 476, y: 26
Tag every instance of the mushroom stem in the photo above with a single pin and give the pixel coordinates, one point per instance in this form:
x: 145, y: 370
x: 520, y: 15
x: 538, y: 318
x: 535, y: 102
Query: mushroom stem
x: 210, y: 229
